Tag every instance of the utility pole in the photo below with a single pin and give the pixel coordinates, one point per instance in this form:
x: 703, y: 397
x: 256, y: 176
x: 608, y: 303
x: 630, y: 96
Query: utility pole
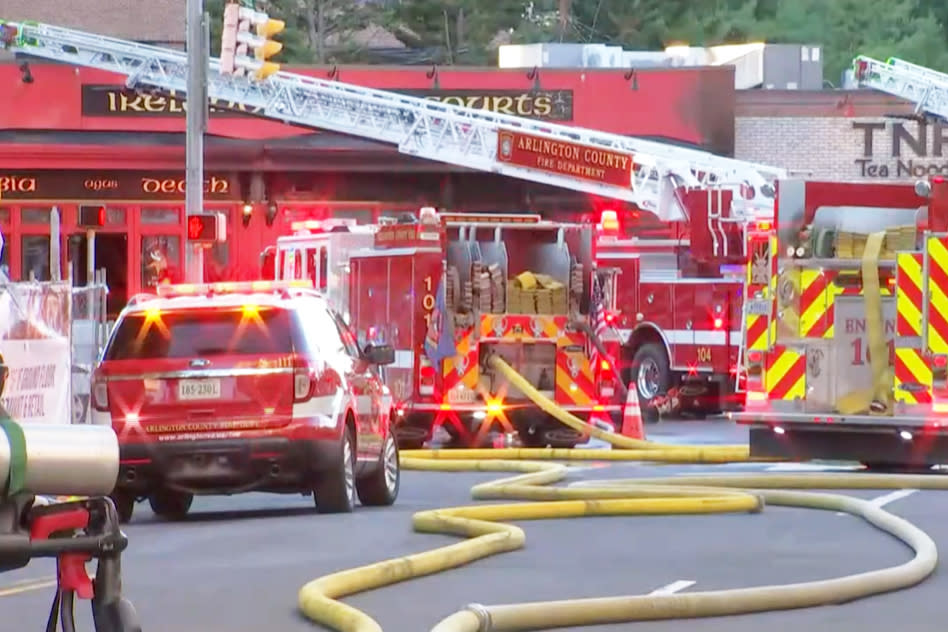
x: 196, y: 126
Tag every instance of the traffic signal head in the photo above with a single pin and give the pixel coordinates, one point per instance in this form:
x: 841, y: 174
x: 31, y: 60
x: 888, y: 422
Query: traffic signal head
x: 206, y: 228
x: 92, y: 216
x: 254, y: 30
x: 229, y: 38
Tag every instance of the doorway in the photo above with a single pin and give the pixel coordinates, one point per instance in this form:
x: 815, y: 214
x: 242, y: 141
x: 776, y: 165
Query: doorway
x: 111, y: 255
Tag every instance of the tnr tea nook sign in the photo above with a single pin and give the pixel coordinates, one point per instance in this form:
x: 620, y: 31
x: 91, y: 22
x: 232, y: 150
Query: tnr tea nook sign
x: 899, y: 150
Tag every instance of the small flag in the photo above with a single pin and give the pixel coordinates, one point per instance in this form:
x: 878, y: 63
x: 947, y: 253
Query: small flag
x: 598, y: 318
x: 439, y: 341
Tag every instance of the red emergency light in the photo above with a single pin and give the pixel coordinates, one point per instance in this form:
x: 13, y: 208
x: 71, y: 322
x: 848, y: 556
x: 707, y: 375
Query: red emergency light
x: 235, y: 287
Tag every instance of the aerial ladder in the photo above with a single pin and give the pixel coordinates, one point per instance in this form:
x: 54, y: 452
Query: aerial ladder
x: 419, y: 127
x: 926, y: 88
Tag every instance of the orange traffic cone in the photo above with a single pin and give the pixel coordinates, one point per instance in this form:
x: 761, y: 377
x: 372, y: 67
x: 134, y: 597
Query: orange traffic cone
x: 632, y: 425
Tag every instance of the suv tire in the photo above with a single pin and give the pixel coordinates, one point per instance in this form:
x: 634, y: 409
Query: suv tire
x: 335, y: 490
x: 379, y: 488
x: 170, y: 505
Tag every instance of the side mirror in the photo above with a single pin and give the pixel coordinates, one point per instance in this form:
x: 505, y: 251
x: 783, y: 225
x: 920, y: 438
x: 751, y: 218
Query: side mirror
x: 380, y: 355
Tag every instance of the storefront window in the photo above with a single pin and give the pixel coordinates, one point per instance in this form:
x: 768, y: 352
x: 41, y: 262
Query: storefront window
x: 217, y: 257
x: 161, y: 258
x: 160, y: 216
x: 4, y: 216
x: 35, y: 215
x: 114, y: 215
x: 35, y: 257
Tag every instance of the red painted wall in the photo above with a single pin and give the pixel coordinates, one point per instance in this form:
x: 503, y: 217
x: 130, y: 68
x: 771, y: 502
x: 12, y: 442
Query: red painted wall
x: 694, y: 105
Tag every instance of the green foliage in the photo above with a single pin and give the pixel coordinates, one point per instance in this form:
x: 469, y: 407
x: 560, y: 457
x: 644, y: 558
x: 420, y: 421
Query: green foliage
x: 468, y: 31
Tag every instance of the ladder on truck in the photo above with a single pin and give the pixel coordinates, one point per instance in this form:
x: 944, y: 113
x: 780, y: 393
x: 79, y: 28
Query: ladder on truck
x: 417, y: 126
x: 926, y: 88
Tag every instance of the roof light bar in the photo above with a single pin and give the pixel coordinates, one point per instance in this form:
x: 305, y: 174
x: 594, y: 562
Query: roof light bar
x: 236, y: 287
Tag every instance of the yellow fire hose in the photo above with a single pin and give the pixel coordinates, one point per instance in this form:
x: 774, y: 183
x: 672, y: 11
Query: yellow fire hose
x: 487, y: 533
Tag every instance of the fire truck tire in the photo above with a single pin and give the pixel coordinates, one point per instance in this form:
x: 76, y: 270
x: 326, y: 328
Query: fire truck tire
x: 379, y: 488
x: 170, y: 504
x: 654, y: 358
x: 335, y: 490
x: 124, y: 505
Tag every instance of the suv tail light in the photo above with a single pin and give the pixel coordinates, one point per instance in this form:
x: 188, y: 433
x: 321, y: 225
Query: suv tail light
x: 100, y: 394
x: 426, y: 377
x: 607, y: 379
x: 302, y: 384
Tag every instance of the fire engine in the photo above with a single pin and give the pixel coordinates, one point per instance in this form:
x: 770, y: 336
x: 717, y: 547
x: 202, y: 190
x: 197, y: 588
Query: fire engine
x: 449, y: 290
x: 847, y: 339
x: 676, y: 302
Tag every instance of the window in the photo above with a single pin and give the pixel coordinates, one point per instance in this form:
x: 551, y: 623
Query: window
x: 161, y: 256
x: 360, y: 215
x: 35, y: 257
x: 114, y: 215
x: 206, y: 332
x: 4, y: 216
x: 323, y: 268
x: 35, y: 215
x: 348, y: 339
x: 160, y: 216
x: 319, y: 329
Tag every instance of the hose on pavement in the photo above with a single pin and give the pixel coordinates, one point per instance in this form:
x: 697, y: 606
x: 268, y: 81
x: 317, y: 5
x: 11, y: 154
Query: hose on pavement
x: 487, y: 532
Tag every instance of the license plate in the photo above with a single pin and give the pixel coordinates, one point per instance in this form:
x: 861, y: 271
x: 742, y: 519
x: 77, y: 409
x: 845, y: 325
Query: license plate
x: 758, y: 308
x: 199, y: 389
x: 461, y: 396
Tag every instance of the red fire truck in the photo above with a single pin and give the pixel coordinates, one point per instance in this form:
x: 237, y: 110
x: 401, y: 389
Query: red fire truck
x: 849, y: 330
x: 445, y: 290
x: 676, y: 291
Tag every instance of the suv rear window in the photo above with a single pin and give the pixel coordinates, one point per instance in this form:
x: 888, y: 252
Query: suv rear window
x: 207, y: 332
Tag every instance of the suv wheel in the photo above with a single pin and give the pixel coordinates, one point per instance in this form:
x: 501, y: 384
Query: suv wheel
x: 170, y: 504
x: 336, y: 490
x: 124, y: 505
x: 379, y: 487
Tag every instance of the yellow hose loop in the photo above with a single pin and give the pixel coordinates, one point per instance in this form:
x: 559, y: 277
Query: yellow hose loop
x: 537, y: 470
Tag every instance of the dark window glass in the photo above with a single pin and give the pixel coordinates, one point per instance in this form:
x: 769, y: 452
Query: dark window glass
x: 208, y: 332
x: 35, y: 257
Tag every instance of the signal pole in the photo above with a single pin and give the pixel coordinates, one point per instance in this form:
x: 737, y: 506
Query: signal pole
x: 196, y: 126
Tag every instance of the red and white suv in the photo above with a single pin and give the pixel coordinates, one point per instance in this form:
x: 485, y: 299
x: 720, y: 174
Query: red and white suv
x: 232, y: 387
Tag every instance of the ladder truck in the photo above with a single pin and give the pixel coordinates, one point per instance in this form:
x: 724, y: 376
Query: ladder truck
x: 926, y: 88
x: 710, y: 202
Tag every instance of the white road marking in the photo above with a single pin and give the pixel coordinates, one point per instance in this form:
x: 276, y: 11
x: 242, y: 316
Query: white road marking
x: 885, y: 499
x: 26, y: 585
x: 673, y: 587
x: 810, y: 467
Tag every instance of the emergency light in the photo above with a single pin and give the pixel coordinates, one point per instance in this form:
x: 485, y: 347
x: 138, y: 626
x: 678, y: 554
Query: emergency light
x: 231, y: 287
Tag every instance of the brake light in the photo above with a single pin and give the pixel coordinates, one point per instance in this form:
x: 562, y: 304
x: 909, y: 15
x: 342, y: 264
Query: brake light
x: 754, y: 357
x: 426, y: 377
x: 302, y: 384
x: 100, y: 394
x: 606, y: 379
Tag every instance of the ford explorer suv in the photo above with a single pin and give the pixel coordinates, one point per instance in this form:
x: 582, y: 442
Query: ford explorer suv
x: 225, y: 388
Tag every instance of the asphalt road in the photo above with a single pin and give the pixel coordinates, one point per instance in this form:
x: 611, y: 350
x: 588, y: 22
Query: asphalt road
x: 237, y: 563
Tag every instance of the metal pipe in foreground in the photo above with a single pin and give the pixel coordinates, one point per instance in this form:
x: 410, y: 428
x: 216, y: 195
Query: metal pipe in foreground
x: 65, y: 460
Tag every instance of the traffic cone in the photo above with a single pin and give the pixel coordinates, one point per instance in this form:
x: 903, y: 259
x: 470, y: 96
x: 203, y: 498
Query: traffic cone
x: 632, y: 425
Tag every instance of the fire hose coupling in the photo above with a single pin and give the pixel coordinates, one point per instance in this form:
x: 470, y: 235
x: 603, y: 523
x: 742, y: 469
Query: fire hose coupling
x: 483, y: 616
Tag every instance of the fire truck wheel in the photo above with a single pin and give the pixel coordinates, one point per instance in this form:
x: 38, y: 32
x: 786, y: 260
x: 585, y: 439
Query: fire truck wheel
x: 651, y: 377
x: 124, y: 506
x: 336, y: 490
x: 379, y: 488
x: 171, y: 505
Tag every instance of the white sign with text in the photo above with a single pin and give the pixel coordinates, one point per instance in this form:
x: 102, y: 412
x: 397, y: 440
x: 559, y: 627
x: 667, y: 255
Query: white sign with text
x: 38, y: 385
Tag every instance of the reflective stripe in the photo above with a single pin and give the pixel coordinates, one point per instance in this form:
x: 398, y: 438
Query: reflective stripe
x: 692, y: 337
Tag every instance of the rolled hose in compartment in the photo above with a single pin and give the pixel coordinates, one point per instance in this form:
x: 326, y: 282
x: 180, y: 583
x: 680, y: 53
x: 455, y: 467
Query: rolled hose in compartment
x: 703, y: 494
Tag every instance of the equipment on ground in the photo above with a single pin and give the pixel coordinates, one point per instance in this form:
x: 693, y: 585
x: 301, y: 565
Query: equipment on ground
x: 450, y: 291
x: 926, y: 88
x: 848, y: 331
x: 646, y: 173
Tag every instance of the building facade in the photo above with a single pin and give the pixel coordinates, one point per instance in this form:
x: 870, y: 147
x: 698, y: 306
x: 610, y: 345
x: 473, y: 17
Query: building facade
x: 76, y: 141
x: 839, y: 135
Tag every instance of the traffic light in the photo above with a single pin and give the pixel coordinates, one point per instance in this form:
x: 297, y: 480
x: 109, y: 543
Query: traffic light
x: 246, y: 30
x: 92, y: 216
x: 229, y: 38
x: 206, y: 228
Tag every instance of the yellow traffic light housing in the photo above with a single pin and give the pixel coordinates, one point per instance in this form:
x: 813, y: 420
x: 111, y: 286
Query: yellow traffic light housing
x: 266, y: 48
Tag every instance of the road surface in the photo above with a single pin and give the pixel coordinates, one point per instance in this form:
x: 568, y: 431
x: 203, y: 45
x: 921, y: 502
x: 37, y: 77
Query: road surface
x: 237, y: 563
